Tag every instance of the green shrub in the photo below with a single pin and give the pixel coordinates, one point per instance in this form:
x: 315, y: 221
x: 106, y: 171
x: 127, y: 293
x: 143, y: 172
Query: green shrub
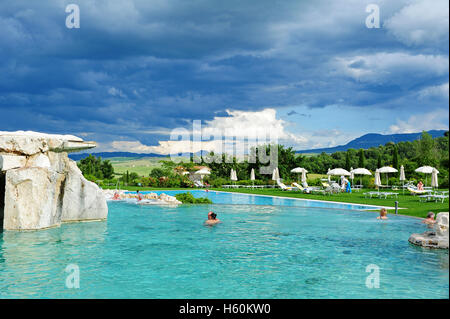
x: 188, y: 198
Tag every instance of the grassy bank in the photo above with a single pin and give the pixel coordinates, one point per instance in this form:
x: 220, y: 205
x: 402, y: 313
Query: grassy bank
x: 410, y: 204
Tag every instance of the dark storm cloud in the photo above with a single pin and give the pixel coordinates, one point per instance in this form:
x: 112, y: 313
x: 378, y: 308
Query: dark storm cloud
x: 138, y: 65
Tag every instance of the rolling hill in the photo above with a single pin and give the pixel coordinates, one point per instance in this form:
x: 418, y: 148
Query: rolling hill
x: 365, y: 142
x: 374, y: 140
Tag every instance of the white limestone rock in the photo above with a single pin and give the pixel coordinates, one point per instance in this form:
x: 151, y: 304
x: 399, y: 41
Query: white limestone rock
x: 437, y: 238
x: 31, y: 143
x: 83, y: 200
x: 43, y: 187
x: 8, y: 162
x: 442, y: 224
x: 32, y: 199
x: 58, y: 161
x: 39, y: 160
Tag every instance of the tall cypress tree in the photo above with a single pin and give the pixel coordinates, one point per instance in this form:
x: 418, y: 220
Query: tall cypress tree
x: 395, y: 158
x: 379, y: 161
x: 362, y: 158
x: 348, y: 163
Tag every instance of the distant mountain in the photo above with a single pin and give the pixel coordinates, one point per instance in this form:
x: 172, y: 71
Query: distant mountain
x: 77, y: 157
x: 374, y: 140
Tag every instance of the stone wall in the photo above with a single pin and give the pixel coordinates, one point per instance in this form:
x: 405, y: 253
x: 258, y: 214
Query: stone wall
x: 42, y: 186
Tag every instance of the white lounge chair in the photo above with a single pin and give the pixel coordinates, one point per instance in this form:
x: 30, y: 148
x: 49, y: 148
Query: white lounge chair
x: 284, y: 187
x: 199, y: 184
x: 415, y: 191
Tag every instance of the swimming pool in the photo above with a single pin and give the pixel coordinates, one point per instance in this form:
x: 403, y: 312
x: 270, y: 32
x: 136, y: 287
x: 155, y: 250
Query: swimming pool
x: 259, y: 251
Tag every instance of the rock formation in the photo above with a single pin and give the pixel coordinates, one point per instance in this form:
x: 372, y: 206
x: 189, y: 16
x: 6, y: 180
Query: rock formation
x: 147, y: 199
x: 40, y: 186
x: 437, y: 238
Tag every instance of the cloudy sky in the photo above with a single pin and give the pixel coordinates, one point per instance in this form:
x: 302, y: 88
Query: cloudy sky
x: 309, y: 72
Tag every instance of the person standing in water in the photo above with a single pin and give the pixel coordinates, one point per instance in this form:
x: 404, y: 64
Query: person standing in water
x: 430, y: 219
x: 383, y: 214
x: 212, y: 219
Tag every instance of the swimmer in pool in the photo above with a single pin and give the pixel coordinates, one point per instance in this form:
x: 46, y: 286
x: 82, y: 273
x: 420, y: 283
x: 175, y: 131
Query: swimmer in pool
x: 212, y: 219
x: 383, y: 214
x: 430, y: 219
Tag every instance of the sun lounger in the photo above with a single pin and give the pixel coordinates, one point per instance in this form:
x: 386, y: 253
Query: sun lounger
x: 442, y: 196
x: 299, y: 187
x: 325, y: 185
x: 198, y: 184
x: 387, y: 194
x: 284, y: 187
x: 371, y: 194
x: 415, y: 191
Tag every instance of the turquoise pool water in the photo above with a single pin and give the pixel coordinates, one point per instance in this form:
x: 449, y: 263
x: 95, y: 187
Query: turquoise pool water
x: 236, y: 198
x: 259, y: 251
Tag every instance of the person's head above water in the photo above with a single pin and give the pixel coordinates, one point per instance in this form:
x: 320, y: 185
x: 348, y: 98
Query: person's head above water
x: 213, y: 216
x: 210, y: 215
x: 430, y: 215
x: 383, y: 212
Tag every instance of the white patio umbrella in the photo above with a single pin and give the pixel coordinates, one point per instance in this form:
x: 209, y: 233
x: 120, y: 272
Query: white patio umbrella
x: 377, y: 181
x: 360, y: 171
x: 434, y: 178
x: 329, y: 176
x: 402, y: 177
x: 299, y: 170
x: 275, y: 174
x: 425, y: 170
x: 304, y: 176
x: 233, y: 175
x: 252, y: 176
x: 338, y: 172
x: 202, y: 172
x: 386, y: 170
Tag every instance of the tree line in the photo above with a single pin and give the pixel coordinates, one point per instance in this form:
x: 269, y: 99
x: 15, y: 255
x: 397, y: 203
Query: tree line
x: 424, y: 151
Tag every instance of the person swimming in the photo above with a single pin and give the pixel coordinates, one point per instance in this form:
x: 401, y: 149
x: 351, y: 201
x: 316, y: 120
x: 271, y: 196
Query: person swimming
x: 430, y: 219
x: 212, y: 219
x: 383, y: 214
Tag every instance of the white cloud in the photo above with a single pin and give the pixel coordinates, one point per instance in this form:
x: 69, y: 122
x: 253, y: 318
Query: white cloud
x: 423, y: 22
x: 164, y: 147
x: 387, y: 67
x: 251, y: 125
x: 116, y: 92
x: 222, y: 134
x: 438, y: 91
x: 436, y: 120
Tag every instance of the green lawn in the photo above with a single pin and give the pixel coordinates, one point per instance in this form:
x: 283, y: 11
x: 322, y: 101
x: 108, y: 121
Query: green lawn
x: 411, y: 204
x: 141, y: 166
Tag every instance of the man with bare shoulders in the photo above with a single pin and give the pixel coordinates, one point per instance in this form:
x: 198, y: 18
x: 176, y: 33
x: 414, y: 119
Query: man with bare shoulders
x: 212, y: 219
